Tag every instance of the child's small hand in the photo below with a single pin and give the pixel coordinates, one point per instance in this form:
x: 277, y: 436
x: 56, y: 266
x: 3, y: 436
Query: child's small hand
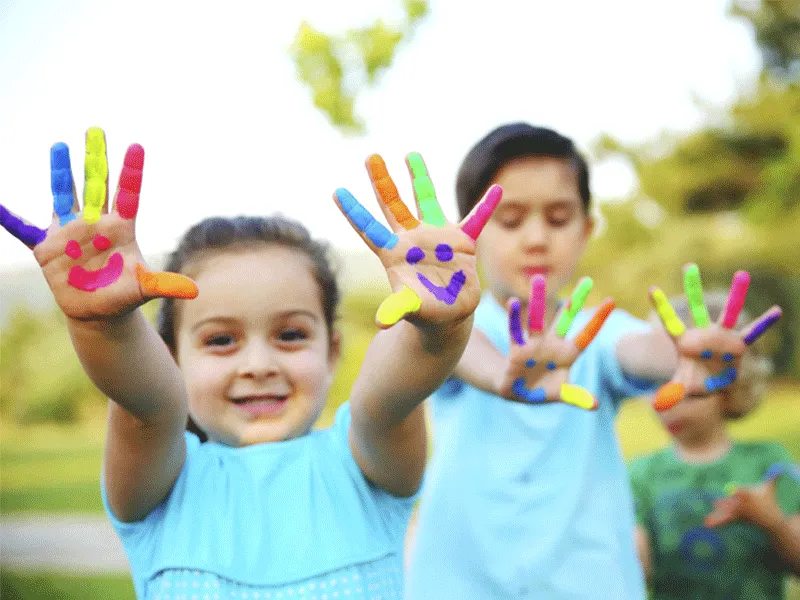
x: 538, y: 368
x: 710, y: 353
x: 430, y: 262
x: 91, y: 261
x: 756, y: 504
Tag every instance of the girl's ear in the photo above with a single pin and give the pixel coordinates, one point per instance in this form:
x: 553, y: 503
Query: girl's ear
x: 334, y: 349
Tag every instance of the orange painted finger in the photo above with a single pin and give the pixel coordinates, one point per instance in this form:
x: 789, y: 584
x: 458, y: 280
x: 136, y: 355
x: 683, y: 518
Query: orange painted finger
x: 162, y: 284
x: 387, y: 192
x: 668, y: 395
x: 588, y: 333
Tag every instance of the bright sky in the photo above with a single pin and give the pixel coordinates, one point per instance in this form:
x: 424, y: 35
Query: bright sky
x: 210, y: 92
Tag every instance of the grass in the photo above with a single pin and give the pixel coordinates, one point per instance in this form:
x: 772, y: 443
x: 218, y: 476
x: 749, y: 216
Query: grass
x: 18, y: 585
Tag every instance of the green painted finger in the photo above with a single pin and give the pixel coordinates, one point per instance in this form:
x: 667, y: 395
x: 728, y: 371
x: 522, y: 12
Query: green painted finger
x: 574, y: 306
x: 426, y: 195
x: 693, y: 287
x: 96, y: 175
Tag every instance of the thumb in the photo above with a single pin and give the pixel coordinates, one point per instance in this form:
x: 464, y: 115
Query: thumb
x: 162, y: 284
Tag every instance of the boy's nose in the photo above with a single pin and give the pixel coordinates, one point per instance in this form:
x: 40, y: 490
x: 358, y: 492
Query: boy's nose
x: 535, y: 232
x: 258, y: 360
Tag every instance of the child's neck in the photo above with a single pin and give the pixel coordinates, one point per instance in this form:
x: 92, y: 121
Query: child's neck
x: 707, y: 449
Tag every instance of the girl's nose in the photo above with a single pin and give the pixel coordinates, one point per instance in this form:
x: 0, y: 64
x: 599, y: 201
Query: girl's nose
x: 535, y: 232
x: 258, y: 360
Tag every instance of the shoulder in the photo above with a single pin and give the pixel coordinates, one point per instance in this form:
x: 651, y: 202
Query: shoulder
x: 764, y: 452
x: 644, y: 467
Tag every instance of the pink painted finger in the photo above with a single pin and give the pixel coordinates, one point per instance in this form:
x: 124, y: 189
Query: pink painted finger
x: 475, y: 222
x: 735, y: 301
x: 130, y: 182
x: 537, y: 304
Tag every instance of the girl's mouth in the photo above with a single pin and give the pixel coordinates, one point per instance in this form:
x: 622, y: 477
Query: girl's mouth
x: 531, y: 271
x: 258, y: 406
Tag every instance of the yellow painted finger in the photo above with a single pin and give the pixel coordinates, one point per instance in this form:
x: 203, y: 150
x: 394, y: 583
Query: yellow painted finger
x: 96, y: 175
x: 397, y: 306
x: 578, y: 396
x: 672, y: 322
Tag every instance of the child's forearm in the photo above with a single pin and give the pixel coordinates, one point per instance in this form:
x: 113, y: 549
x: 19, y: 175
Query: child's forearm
x: 785, y: 538
x: 127, y: 360
x: 403, y: 366
x: 482, y: 364
x: 648, y: 355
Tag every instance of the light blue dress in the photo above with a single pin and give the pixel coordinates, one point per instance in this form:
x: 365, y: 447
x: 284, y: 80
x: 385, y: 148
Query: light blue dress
x: 293, y: 520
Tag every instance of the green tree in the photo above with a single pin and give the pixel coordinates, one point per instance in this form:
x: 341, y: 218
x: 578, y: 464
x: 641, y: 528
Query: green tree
x: 338, y: 67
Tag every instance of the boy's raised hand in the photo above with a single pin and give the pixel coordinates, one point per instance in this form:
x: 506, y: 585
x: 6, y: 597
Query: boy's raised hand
x: 430, y: 261
x: 90, y: 258
x: 709, y: 354
x: 538, y: 367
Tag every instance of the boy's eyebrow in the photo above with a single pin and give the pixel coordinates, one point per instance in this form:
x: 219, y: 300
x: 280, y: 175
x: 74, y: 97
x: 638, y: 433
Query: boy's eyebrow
x: 522, y: 202
x: 281, y: 315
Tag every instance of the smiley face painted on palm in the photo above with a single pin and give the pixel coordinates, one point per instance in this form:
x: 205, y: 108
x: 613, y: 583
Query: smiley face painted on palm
x: 90, y: 280
x: 444, y: 253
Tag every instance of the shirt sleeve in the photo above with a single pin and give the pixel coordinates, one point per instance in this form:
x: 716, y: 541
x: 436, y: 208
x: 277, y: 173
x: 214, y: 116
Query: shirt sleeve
x: 619, y: 384
x: 395, y: 510
x: 787, y: 487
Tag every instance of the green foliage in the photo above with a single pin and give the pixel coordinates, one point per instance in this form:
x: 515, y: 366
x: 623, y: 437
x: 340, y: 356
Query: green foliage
x: 729, y: 193
x: 338, y: 67
x: 19, y: 585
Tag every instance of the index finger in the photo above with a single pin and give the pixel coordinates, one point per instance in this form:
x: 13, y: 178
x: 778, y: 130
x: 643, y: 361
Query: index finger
x: 429, y: 208
x: 480, y: 215
x: 537, y: 303
x: 387, y: 193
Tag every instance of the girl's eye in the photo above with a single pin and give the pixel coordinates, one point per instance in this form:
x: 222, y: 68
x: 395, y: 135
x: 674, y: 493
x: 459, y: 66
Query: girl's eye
x: 220, y: 340
x: 292, y: 335
x: 559, y: 218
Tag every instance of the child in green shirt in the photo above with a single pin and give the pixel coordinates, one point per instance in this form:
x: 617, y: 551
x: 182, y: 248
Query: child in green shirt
x: 716, y: 518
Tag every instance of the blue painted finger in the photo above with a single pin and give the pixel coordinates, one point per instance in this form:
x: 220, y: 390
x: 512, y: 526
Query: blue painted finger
x: 365, y: 222
x: 61, y: 183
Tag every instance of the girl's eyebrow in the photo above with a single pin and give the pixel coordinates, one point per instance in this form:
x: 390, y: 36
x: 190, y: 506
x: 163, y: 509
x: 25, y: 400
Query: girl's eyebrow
x: 231, y: 320
x: 521, y: 202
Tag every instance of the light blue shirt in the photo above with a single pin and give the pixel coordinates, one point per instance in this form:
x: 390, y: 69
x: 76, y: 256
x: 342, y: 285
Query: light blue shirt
x: 294, y: 519
x: 528, y: 501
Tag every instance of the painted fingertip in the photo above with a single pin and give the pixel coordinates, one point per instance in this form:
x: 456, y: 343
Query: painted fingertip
x: 668, y: 396
x: 515, y: 322
x: 534, y: 396
x: 396, y: 306
x: 761, y: 327
x: 30, y: 235
x: 730, y: 489
x: 577, y: 396
x: 162, y: 284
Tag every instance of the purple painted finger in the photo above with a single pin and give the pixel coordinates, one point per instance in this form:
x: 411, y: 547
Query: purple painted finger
x: 30, y: 235
x: 761, y: 326
x: 515, y: 323
x: 482, y: 212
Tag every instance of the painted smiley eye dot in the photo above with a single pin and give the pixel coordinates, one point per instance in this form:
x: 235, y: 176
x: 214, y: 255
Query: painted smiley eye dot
x: 727, y: 357
x: 73, y: 249
x: 414, y: 255
x: 101, y: 242
x: 706, y: 354
x: 551, y: 366
x: 530, y: 363
x: 444, y: 252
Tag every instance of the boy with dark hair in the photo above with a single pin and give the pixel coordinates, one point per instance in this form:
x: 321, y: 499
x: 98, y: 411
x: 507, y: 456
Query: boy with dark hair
x: 534, y: 502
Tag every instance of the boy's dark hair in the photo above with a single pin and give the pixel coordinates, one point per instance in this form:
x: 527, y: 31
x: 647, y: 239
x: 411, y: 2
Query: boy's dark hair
x: 221, y: 234
x: 506, y: 143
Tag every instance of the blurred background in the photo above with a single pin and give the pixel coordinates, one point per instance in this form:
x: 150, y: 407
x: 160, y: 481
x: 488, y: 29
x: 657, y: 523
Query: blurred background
x: 688, y: 111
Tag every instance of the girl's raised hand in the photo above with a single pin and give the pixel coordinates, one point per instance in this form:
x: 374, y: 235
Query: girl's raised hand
x: 430, y: 261
x: 90, y: 258
x: 709, y: 354
x: 538, y: 367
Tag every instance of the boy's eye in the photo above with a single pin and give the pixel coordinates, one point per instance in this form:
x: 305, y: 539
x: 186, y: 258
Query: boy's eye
x: 292, y: 335
x: 219, y: 340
